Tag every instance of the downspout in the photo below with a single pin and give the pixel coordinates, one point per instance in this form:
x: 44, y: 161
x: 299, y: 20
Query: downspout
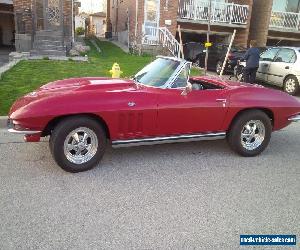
x: 73, y: 38
x: 136, y: 17
x: 117, y: 17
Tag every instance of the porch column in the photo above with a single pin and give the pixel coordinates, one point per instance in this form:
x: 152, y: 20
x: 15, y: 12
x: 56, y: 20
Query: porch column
x: 108, y: 33
x: 260, y: 21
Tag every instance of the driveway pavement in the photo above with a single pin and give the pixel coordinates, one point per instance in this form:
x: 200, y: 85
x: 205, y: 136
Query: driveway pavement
x: 177, y: 196
x: 4, y: 55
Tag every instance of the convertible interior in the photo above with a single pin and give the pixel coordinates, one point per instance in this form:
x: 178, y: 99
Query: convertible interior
x: 203, y: 85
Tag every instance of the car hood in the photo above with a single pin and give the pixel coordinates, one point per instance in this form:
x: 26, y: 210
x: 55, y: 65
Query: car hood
x: 73, y: 86
x: 88, y: 83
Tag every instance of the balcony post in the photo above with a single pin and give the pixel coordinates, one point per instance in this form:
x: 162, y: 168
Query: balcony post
x: 298, y: 23
x: 195, y: 9
x: 231, y: 12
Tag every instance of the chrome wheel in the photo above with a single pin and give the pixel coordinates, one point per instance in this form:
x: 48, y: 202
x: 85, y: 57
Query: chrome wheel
x: 240, y: 77
x: 80, y: 145
x: 253, y: 134
x: 290, y: 85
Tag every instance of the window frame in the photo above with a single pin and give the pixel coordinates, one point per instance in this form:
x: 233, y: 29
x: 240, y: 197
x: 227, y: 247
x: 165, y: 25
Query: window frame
x: 272, y: 60
x: 295, y: 55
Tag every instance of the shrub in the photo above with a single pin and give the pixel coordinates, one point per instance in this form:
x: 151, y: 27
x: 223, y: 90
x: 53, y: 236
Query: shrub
x: 79, y: 31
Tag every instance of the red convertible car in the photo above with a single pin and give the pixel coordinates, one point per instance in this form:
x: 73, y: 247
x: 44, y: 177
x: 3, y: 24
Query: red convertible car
x: 161, y: 104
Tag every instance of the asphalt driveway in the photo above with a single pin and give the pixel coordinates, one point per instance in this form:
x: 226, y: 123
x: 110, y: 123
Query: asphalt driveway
x: 178, y: 196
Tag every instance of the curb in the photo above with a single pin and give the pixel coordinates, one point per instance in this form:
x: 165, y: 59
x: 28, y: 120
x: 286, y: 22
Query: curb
x: 3, y: 122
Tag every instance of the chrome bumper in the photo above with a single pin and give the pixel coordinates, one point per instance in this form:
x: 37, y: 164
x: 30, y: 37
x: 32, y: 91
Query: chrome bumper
x: 24, y: 132
x: 295, y: 118
x: 10, y: 128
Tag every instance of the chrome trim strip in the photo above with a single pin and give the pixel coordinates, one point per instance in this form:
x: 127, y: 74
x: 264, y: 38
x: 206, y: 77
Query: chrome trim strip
x: 168, y: 139
x: 24, y: 132
x: 295, y: 118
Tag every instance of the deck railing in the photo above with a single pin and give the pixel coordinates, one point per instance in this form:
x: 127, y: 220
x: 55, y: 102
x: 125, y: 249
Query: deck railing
x: 227, y: 13
x: 285, y: 20
x: 161, y: 36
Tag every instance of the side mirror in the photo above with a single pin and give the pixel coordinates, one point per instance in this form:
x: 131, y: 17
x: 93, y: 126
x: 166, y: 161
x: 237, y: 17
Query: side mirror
x: 188, y: 88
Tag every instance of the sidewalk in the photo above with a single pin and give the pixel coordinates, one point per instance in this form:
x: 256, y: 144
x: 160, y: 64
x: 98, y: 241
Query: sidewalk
x: 117, y: 43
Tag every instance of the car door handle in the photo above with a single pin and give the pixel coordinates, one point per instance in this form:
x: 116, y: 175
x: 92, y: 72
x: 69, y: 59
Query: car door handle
x: 131, y: 104
x: 287, y: 67
x: 221, y: 100
x: 265, y: 65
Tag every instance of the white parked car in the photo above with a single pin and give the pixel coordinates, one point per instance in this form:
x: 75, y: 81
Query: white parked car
x: 281, y: 66
x: 278, y: 66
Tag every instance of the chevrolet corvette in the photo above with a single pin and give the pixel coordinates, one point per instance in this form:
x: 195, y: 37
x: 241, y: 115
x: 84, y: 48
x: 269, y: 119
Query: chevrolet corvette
x: 160, y: 104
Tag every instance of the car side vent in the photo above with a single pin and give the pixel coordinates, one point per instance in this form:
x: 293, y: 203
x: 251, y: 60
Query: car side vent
x: 130, y: 124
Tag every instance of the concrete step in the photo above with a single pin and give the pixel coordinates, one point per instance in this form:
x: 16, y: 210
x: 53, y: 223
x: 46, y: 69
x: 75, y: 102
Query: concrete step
x: 49, y: 33
x: 49, y: 47
x: 47, y: 53
x: 48, y: 38
x: 38, y: 42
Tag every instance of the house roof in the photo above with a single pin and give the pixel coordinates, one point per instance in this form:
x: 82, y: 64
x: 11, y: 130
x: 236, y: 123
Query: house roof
x: 99, y: 14
x: 6, y: 1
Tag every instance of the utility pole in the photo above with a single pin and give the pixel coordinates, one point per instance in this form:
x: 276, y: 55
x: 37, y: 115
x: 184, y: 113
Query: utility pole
x: 207, y: 37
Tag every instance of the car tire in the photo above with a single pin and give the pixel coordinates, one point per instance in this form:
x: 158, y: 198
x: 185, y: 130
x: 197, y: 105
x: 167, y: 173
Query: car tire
x: 291, y: 85
x: 78, y: 143
x: 197, y: 62
x: 219, y: 66
x: 250, y: 133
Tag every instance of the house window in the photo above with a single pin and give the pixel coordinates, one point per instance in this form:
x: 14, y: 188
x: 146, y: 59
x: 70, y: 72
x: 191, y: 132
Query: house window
x: 151, y: 20
x: 151, y: 13
x: 286, y: 5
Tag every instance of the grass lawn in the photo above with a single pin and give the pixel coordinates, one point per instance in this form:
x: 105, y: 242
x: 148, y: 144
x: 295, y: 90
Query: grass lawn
x: 29, y: 75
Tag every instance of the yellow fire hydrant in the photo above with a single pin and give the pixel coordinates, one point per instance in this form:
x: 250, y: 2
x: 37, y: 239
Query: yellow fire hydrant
x: 115, y: 71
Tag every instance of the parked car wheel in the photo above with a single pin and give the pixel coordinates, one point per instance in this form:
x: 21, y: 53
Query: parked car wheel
x: 291, y: 85
x: 250, y: 133
x: 197, y: 62
x: 219, y: 67
x: 240, y: 76
x: 78, y: 143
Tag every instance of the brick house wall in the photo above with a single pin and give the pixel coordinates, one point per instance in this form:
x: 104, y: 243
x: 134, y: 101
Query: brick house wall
x: 23, y: 18
x: 242, y: 35
x: 6, y: 24
x: 168, y: 11
x: 121, y: 9
x: 25, y: 25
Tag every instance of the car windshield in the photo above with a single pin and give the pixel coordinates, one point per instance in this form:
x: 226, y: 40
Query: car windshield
x: 157, y: 73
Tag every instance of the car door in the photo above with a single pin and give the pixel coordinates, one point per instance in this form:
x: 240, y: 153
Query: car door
x: 265, y: 60
x: 281, y: 66
x: 200, y: 111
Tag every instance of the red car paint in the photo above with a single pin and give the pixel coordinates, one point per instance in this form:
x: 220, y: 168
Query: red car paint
x: 156, y: 111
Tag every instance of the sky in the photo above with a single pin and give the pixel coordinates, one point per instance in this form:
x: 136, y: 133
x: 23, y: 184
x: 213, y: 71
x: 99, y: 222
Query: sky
x: 92, y: 6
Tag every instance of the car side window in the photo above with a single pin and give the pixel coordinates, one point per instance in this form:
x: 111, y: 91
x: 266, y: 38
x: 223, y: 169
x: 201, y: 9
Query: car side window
x: 268, y: 55
x: 286, y: 56
x: 181, y: 80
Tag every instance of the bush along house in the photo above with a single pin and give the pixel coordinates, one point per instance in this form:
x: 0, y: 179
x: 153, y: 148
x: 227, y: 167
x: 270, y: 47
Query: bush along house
x: 44, y: 27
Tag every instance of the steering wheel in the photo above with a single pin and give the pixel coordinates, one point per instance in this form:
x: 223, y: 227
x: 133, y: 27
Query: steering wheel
x: 197, y: 86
